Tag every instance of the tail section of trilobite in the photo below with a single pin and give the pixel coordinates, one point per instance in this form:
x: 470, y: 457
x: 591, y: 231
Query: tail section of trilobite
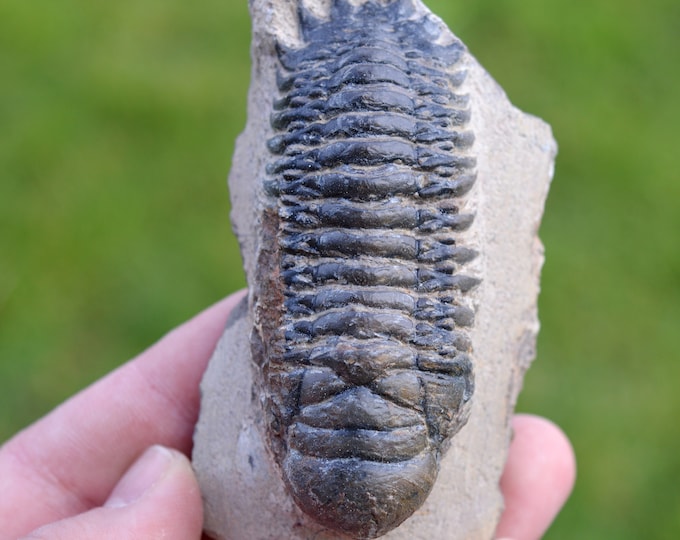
x: 362, y: 318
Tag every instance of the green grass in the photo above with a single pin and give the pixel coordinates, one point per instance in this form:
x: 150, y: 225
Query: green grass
x: 117, y: 123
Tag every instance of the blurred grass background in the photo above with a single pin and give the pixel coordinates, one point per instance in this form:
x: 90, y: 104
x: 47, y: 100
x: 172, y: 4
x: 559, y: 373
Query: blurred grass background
x: 117, y: 124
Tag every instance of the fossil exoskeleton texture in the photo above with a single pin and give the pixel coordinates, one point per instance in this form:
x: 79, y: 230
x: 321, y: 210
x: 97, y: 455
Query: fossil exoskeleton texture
x: 361, y: 311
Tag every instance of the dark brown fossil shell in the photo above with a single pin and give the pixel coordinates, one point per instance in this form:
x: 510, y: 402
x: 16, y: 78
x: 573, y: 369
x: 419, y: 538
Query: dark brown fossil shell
x: 361, y: 318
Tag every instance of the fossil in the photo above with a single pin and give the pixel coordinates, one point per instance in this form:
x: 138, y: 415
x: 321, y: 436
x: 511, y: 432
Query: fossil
x: 361, y: 321
x: 359, y: 197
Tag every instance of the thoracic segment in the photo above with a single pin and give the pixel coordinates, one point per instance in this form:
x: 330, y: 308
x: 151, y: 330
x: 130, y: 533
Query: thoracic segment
x: 369, y: 371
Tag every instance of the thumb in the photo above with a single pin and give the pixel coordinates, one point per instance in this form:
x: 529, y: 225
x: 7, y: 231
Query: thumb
x: 158, y: 497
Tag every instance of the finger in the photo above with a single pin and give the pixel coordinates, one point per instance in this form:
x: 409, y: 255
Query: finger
x: 538, y: 478
x: 68, y: 462
x: 157, y: 497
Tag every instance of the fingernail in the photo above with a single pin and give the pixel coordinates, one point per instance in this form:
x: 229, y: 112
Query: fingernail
x: 144, y: 473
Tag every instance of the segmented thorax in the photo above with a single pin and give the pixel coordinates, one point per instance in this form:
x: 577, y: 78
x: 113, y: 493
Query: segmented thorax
x: 361, y: 325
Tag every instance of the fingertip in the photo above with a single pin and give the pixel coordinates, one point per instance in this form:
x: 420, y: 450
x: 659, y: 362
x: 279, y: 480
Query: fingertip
x: 545, y: 440
x: 149, y: 469
x: 176, y: 499
x: 171, y: 505
x: 538, y: 477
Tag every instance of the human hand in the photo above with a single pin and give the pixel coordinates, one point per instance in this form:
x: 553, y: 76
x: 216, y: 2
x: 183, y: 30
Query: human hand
x: 110, y: 462
x: 538, y: 478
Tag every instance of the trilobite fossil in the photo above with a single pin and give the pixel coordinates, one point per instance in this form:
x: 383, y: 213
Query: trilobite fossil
x: 361, y: 311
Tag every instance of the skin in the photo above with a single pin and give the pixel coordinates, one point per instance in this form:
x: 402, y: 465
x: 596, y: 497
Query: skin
x: 111, y: 461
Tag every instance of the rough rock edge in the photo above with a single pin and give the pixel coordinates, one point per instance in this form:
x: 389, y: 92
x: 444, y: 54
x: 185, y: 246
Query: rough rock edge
x: 243, y: 492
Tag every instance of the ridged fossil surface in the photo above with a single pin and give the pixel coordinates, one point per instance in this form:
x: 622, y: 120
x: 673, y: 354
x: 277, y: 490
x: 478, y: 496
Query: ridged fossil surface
x: 361, y: 320
x: 389, y: 255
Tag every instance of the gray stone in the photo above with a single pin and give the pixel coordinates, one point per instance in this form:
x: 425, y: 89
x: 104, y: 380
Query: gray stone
x: 246, y: 494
